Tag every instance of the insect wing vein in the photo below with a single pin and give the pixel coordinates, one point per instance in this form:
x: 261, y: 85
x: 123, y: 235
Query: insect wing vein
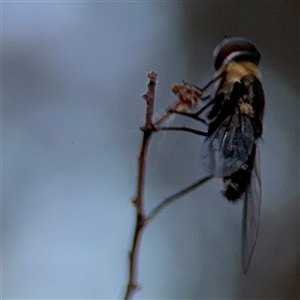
x: 229, y: 146
x: 252, y: 203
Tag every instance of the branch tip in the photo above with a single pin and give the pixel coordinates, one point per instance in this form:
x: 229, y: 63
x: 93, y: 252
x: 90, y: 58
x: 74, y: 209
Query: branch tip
x: 152, y: 75
x: 188, y: 94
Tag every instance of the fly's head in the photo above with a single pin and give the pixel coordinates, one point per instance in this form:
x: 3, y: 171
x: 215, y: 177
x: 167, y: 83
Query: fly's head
x: 235, y: 49
x: 235, y: 58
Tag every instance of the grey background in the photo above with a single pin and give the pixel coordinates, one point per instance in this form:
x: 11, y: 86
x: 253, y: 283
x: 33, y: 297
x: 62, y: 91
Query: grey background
x: 72, y: 75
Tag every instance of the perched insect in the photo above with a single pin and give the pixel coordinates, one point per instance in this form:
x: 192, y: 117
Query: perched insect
x: 230, y: 150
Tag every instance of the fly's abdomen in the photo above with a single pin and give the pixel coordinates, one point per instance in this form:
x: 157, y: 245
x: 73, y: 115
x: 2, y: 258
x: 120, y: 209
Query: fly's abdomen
x: 235, y: 185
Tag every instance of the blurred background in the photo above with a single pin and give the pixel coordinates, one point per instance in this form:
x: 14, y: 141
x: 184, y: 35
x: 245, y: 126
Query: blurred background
x: 72, y: 76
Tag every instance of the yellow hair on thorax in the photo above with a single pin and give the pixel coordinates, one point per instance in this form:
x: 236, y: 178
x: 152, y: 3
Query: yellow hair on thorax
x: 235, y: 71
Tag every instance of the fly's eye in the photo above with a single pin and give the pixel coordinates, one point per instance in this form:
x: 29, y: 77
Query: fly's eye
x: 235, y: 49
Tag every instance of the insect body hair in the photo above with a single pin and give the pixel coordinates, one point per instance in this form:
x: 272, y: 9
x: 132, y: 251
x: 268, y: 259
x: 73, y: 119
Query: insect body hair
x: 234, y: 71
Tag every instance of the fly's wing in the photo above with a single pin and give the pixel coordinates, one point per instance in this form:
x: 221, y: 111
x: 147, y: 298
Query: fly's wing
x: 252, y: 202
x: 229, y: 146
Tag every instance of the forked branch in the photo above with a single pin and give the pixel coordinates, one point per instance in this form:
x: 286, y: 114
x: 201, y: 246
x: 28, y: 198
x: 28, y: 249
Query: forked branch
x: 138, y: 200
x: 188, y: 95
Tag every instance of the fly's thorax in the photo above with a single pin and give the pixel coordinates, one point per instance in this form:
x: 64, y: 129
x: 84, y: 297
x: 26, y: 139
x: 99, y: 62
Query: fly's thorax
x: 234, y: 71
x: 239, y: 72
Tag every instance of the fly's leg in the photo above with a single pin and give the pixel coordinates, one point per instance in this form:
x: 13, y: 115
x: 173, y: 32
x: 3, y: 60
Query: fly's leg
x: 194, y: 115
x: 183, y: 128
x: 188, y: 95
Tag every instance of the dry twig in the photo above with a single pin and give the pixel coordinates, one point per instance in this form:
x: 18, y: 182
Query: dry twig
x: 138, y: 200
x: 188, y: 96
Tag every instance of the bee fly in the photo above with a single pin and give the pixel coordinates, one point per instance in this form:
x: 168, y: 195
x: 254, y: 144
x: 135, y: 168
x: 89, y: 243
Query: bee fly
x: 230, y: 150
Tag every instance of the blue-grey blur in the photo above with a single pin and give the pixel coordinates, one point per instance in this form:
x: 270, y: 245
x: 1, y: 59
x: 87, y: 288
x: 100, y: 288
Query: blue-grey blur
x: 72, y: 76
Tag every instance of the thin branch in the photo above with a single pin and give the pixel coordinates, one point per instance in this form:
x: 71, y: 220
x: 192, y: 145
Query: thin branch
x: 174, y: 197
x: 187, y: 99
x: 138, y: 200
x: 149, y: 97
x: 163, y: 118
x: 183, y: 128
